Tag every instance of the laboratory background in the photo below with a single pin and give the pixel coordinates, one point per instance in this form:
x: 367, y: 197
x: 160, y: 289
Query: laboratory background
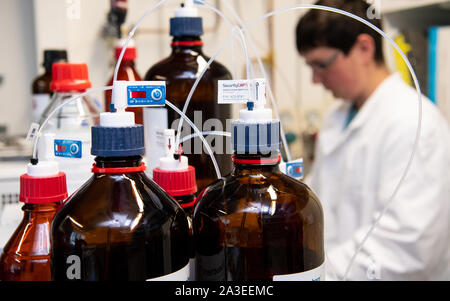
x: 89, y: 31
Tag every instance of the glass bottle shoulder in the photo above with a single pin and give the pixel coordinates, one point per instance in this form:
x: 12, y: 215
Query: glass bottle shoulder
x: 32, y: 236
x: 186, y: 65
x: 78, y: 115
x: 42, y: 84
x: 120, y: 201
x: 272, y: 194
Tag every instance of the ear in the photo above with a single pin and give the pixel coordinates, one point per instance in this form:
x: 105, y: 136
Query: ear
x: 365, y: 46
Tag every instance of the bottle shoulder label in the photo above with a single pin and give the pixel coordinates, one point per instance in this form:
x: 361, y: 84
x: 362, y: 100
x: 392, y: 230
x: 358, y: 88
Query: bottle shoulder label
x: 317, y: 274
x: 180, y: 275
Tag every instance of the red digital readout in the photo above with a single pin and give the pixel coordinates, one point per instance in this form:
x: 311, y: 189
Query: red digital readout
x: 138, y: 94
x: 61, y: 148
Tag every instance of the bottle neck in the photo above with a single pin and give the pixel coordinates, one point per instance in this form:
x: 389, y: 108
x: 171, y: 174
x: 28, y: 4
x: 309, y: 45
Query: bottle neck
x: 257, y: 162
x: 118, y: 162
x: 48, y: 70
x: 63, y: 95
x: 33, y: 210
x: 187, y: 44
x: 186, y: 202
x: 126, y: 63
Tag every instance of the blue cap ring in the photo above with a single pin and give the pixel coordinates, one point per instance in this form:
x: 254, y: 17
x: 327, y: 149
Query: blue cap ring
x: 118, y: 141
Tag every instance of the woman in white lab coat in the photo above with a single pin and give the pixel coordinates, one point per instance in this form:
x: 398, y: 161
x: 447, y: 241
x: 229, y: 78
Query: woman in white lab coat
x: 362, y: 151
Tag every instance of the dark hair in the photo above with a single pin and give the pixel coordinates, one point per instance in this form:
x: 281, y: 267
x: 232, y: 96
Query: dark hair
x: 322, y: 28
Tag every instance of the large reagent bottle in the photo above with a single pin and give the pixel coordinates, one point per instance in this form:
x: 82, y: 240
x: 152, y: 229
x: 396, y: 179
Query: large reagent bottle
x: 257, y: 223
x: 180, y: 70
x: 120, y: 225
x: 26, y: 255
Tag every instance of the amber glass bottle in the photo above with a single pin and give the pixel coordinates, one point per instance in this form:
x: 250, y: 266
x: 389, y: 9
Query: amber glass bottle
x: 127, y: 71
x: 26, y: 256
x: 120, y: 225
x: 180, y: 70
x: 257, y: 223
x: 41, y: 85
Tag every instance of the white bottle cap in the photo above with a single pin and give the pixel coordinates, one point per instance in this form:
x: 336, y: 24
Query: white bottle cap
x: 117, y: 119
x: 168, y: 162
x: 256, y: 115
x: 189, y: 10
x: 43, y: 169
x: 119, y: 95
x: 171, y: 164
x: 46, y: 166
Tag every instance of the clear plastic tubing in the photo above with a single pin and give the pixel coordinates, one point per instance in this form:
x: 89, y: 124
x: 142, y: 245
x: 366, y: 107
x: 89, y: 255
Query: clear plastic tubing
x: 211, y: 133
x: 206, y: 144
x: 419, y: 93
x: 44, y: 124
x: 133, y: 30
x: 196, y: 130
x: 263, y: 70
x: 244, y: 29
x: 131, y: 34
x: 330, y: 9
x: 235, y: 30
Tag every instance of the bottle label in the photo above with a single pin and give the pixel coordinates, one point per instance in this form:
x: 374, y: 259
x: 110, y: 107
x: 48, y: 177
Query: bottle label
x: 237, y: 91
x: 180, y: 275
x: 146, y: 95
x: 34, y: 127
x: 40, y: 102
x: 317, y: 274
x: 68, y: 148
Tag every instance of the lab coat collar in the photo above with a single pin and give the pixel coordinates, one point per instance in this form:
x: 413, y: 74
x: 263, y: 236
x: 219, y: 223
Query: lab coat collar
x: 334, y: 131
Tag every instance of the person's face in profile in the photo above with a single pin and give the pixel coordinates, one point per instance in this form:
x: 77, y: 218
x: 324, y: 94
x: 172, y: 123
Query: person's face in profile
x: 343, y: 75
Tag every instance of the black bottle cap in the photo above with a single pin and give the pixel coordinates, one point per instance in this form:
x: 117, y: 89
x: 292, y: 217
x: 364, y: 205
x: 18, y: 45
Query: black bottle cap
x: 54, y: 56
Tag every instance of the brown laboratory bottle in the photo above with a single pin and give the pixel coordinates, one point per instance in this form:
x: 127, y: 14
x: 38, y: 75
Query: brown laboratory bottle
x: 41, y: 85
x: 127, y: 71
x: 120, y: 225
x: 258, y: 223
x: 26, y: 256
x: 180, y: 70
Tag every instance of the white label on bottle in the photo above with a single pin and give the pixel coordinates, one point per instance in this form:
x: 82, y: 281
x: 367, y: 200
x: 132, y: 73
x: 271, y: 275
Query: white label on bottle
x: 237, y: 91
x: 40, y: 102
x: 180, y: 275
x: 317, y: 274
x: 34, y: 127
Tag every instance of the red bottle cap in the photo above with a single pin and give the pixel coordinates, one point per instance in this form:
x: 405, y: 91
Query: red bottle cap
x: 67, y: 77
x: 41, y: 190
x: 130, y: 53
x: 176, y: 182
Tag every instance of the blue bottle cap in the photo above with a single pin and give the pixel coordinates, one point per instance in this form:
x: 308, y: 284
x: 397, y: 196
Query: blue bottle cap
x: 118, y: 141
x: 186, y: 26
x: 256, y: 137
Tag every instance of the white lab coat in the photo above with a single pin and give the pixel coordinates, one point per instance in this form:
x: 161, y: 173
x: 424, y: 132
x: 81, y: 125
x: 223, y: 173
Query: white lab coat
x: 356, y: 172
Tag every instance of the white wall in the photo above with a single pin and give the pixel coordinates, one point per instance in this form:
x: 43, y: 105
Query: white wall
x: 17, y: 64
x: 76, y: 25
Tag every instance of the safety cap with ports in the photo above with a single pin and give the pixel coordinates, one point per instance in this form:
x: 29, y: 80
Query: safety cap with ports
x: 43, y: 182
x: 174, y: 174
